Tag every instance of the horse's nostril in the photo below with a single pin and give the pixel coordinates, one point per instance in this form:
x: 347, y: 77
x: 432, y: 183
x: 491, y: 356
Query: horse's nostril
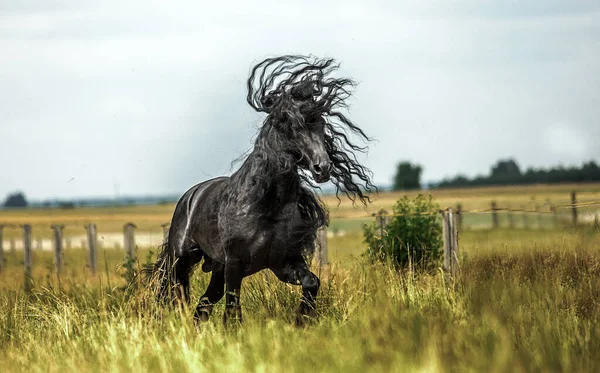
x: 322, y: 169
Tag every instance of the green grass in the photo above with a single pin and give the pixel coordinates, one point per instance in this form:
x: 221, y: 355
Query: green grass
x: 525, y: 301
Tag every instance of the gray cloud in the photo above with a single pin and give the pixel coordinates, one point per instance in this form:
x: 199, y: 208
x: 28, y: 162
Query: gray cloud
x: 152, y: 96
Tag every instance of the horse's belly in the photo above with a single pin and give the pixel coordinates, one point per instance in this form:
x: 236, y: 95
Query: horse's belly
x: 212, y: 251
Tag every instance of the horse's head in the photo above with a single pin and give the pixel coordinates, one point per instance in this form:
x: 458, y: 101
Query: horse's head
x: 299, y: 127
x: 313, y: 150
x: 305, y: 143
x: 302, y: 102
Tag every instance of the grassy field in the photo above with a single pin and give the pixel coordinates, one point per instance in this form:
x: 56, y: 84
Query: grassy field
x: 526, y: 300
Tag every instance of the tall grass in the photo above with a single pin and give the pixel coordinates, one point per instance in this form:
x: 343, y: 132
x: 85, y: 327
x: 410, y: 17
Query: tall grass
x: 531, y: 307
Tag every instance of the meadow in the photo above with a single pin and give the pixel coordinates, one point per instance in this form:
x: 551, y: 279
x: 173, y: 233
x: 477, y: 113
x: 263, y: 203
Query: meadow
x: 525, y: 300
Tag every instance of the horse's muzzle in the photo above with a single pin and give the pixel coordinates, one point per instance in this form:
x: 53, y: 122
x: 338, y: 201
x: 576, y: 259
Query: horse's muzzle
x: 321, y: 171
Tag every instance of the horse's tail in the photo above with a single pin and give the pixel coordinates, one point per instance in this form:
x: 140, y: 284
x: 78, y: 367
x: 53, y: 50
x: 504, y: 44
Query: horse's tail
x: 162, y: 273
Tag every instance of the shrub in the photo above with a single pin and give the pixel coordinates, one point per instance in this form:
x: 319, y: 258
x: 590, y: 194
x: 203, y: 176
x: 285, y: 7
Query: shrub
x: 413, y: 231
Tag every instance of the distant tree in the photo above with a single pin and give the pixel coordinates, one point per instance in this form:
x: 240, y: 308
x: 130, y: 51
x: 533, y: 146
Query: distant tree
x: 408, y: 176
x: 16, y: 200
x: 590, y: 171
x: 67, y: 205
x: 506, y: 168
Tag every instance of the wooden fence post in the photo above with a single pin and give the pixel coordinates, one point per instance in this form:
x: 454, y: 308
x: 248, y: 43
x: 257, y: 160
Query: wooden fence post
x: 129, y: 241
x: 574, y: 206
x: 381, y: 221
x: 13, y: 247
x: 321, y: 246
x: 28, y: 256
x: 510, y: 217
x: 1, y: 249
x: 494, y: 215
x: 459, y: 215
x: 11, y: 242
x: 165, y: 228
x: 92, y: 239
x: 539, y: 216
x: 450, y: 236
x: 58, y: 247
x: 525, y: 218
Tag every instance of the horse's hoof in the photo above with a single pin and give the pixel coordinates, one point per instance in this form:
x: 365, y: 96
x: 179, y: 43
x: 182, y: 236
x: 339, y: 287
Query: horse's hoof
x: 304, y: 319
x: 202, y: 314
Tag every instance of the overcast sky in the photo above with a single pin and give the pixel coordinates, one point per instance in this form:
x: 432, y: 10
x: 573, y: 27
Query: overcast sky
x: 150, y: 96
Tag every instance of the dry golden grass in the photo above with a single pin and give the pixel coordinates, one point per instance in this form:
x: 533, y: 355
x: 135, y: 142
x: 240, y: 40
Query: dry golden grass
x: 526, y: 300
x: 149, y: 218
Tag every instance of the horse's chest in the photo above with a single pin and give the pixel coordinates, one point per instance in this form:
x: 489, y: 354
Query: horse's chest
x: 268, y: 241
x: 279, y: 237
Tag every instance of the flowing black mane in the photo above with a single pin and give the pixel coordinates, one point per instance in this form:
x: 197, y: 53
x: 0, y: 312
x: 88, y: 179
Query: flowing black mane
x: 297, y: 89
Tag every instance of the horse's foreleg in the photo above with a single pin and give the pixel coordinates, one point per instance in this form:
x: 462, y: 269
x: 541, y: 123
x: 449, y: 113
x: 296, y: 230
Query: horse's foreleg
x: 212, y: 295
x: 295, y: 271
x: 234, y: 273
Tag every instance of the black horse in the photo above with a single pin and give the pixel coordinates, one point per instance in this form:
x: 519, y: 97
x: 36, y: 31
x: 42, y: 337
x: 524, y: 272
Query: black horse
x: 266, y: 214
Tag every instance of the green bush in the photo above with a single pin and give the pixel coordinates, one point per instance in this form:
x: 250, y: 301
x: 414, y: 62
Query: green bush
x: 413, y: 231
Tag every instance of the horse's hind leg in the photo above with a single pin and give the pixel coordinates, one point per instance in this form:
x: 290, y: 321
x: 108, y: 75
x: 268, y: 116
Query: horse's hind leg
x: 186, y: 253
x: 182, y: 270
x: 295, y: 271
x: 212, y: 295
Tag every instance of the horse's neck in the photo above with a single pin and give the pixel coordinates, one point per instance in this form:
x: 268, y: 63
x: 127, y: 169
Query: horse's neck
x: 259, y: 183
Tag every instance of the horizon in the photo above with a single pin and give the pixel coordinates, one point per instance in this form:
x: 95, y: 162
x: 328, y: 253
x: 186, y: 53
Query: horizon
x: 326, y: 190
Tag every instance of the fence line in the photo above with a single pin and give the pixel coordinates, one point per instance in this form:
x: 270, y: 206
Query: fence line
x: 58, y: 247
x: 92, y: 241
x: 92, y: 244
x: 129, y: 241
x: 452, y: 221
x: 450, y: 239
x: 479, y: 211
x: 28, y: 260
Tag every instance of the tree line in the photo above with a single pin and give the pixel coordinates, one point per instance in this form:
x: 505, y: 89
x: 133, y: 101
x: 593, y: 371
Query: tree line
x: 408, y: 176
x: 503, y: 172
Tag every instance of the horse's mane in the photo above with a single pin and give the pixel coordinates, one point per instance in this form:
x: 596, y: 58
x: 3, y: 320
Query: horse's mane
x: 298, y: 89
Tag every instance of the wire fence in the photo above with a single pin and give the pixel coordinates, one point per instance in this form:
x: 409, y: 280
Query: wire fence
x: 496, y: 216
